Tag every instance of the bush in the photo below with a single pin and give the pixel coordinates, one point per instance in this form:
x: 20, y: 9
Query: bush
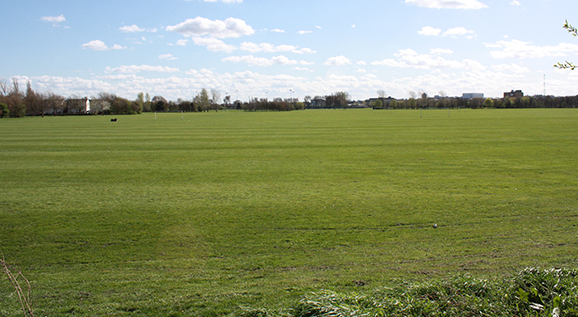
x: 4, y: 112
x: 532, y: 292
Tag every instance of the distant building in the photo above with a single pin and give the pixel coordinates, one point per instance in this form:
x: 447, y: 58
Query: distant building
x: 472, y: 95
x: 514, y: 93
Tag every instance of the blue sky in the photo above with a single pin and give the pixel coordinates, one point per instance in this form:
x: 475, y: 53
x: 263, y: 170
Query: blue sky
x: 257, y: 48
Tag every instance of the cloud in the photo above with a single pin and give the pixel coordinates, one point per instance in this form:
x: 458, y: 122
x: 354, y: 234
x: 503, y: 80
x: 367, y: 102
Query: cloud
x: 167, y: 57
x: 278, y: 30
x: 410, y: 58
x: 98, y: 45
x: 182, y: 42
x: 448, y: 4
x: 521, y: 50
x: 429, y: 31
x: 439, y: 51
x: 230, y: 28
x: 131, y: 69
x: 262, y: 61
x: 304, y: 32
x: 511, y: 68
x: 214, y: 45
x: 457, y: 31
x: 50, y: 19
x: 270, y: 48
x: 131, y: 29
x: 515, y: 3
x: 302, y: 69
x: 337, y: 61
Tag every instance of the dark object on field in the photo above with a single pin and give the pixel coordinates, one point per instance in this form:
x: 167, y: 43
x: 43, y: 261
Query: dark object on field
x: 113, y: 120
x: 435, y: 226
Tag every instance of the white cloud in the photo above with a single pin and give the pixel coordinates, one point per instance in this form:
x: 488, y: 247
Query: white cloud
x: 270, y: 48
x: 304, y: 32
x: 361, y: 63
x: 457, y: 31
x: 439, y: 51
x: 278, y: 30
x: 515, y: 3
x: 337, y: 61
x: 429, y: 31
x: 167, y: 57
x: 302, y: 69
x: 230, y: 28
x: 50, y: 19
x: 131, y: 29
x: 182, y: 42
x: 131, y: 69
x: 511, y: 68
x: 98, y: 45
x: 214, y: 45
x: 262, y: 61
x: 519, y: 49
x: 448, y: 4
x: 410, y: 58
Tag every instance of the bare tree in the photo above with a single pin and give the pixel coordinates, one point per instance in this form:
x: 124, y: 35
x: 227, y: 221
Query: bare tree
x: 14, y: 99
x: 55, y: 103
x: 216, y: 98
x: 3, y: 87
x: 381, y: 94
x: 31, y: 100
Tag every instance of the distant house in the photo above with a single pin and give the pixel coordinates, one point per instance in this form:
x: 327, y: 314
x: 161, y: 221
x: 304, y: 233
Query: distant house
x: 77, y: 105
x: 98, y: 106
x: 472, y: 95
x: 514, y: 93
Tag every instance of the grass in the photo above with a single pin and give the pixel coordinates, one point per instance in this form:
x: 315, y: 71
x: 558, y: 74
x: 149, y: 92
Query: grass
x: 202, y: 214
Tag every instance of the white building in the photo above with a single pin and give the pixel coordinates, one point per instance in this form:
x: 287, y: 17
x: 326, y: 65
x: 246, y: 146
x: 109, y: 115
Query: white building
x: 472, y: 95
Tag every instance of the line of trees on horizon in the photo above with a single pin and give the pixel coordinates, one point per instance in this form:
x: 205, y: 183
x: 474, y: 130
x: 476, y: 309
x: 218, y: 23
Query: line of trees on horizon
x: 18, y: 103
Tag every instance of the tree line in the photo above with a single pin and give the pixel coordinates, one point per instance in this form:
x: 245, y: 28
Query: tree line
x: 17, y: 103
x: 477, y: 103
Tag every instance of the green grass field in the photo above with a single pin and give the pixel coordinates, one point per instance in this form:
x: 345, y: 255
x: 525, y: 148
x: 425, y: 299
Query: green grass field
x: 203, y: 213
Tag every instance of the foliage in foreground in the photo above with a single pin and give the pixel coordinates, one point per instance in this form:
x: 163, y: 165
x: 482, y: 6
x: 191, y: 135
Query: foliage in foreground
x: 532, y: 292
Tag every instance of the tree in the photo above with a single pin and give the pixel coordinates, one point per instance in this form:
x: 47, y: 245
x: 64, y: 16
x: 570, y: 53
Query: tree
x: 393, y: 104
x: 14, y: 99
x: 53, y: 102
x: 4, y: 112
x: 159, y: 104
x: 574, y: 31
x: 122, y: 106
x: 411, y: 103
x: 377, y: 104
x: 337, y: 100
x: 201, y: 100
x: 75, y: 104
x: 140, y: 101
x: 31, y: 100
x: 147, y: 103
x: 216, y: 99
x: 488, y: 103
